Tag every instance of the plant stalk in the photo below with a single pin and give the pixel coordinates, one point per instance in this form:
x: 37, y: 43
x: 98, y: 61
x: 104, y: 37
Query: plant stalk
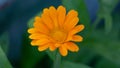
x: 57, y: 61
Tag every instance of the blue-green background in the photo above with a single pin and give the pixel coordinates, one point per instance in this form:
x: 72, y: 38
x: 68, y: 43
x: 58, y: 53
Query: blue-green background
x: 100, y: 48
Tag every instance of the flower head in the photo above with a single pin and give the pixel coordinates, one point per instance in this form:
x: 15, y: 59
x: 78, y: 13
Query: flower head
x: 56, y: 30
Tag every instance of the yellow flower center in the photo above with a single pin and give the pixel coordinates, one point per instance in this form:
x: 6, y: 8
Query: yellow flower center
x: 59, y: 35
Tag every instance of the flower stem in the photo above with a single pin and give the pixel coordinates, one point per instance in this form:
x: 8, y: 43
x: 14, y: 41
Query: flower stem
x: 57, y: 61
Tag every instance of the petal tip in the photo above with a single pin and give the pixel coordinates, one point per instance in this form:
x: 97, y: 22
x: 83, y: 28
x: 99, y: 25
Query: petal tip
x: 64, y: 55
x: 82, y: 26
x: 61, y: 6
x: 77, y: 49
x: 52, y: 7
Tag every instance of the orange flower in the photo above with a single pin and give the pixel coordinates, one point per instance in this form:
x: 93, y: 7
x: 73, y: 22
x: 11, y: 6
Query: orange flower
x: 56, y: 29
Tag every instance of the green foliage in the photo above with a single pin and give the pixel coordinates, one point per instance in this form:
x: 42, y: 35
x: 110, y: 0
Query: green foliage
x: 30, y: 54
x: 107, y: 6
x: 30, y: 23
x: 4, y: 62
x: 105, y: 10
x: 104, y: 63
x: 108, y: 46
x: 109, y: 50
x: 4, y: 42
x: 108, y: 23
x: 100, y: 48
x: 67, y: 64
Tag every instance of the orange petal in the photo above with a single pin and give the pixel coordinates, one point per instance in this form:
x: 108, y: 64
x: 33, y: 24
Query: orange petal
x: 38, y: 22
x: 43, y: 47
x: 42, y: 41
x: 37, y: 36
x: 33, y: 43
x: 61, y: 15
x: 71, y: 18
x: 41, y: 27
x: 72, y: 23
x: 63, y: 50
x: 71, y: 46
x: 69, y: 37
x: 34, y: 30
x: 31, y: 30
x: 37, y: 19
x: 77, y: 38
x: 53, y: 15
x: 72, y: 13
x: 77, y: 29
x: 52, y: 47
x: 46, y: 18
x: 57, y: 44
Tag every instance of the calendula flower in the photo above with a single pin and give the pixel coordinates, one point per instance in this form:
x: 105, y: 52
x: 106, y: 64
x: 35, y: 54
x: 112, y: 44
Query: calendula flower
x: 56, y: 30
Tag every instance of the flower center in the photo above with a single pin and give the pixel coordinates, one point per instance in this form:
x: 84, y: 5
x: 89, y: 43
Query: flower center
x: 59, y: 35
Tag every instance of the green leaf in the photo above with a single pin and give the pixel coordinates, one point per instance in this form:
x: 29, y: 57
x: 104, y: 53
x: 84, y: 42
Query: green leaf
x: 84, y: 55
x: 108, y: 23
x: 80, y: 6
x: 109, y: 50
x: 4, y: 63
x: 105, y: 10
x: 67, y: 64
x: 4, y: 41
x: 104, y: 63
x: 107, y: 6
x: 107, y: 46
x: 30, y: 55
x: 30, y: 23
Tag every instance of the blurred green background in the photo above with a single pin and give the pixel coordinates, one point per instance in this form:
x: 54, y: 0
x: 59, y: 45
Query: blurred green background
x: 100, y: 48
